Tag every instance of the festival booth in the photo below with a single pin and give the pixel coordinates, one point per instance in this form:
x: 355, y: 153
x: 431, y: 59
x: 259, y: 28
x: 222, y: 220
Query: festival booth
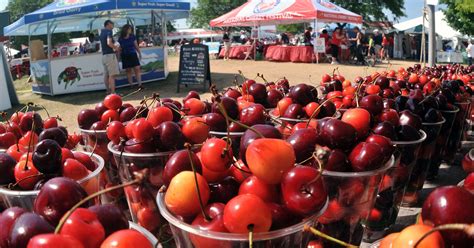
x: 85, y: 72
x: 448, y: 40
x: 256, y: 13
x: 8, y: 97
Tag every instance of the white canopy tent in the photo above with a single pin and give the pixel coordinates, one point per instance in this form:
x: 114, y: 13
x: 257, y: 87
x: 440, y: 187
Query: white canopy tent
x: 442, y: 27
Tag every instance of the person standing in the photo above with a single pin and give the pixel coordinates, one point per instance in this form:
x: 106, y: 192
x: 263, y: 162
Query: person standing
x: 307, y: 36
x: 377, y: 42
x: 227, y: 44
x: 385, y: 47
x: 358, y: 44
x: 130, y: 54
x: 470, y: 52
x: 335, y: 44
x: 109, y: 58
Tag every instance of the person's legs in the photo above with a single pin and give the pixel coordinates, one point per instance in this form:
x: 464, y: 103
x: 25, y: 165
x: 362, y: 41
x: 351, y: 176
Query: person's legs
x: 106, y: 74
x: 129, y: 76
x: 469, y: 61
x: 113, y: 70
x: 112, y: 84
x: 138, y: 75
x: 334, y: 53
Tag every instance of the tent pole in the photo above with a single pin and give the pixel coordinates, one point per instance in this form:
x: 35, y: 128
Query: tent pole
x: 49, y: 40
x: 317, y: 32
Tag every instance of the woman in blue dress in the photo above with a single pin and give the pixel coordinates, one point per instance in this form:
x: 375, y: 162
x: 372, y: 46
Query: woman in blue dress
x: 130, y: 54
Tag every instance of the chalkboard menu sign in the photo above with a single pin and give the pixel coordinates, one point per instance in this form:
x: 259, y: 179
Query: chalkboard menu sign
x: 194, y: 66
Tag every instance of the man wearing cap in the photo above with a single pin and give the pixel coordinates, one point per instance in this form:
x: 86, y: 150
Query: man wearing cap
x: 109, y: 58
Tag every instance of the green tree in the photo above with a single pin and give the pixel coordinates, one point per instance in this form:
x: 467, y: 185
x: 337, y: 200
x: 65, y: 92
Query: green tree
x: 460, y: 15
x: 207, y: 10
x: 292, y: 28
x: 373, y: 10
x: 19, y: 8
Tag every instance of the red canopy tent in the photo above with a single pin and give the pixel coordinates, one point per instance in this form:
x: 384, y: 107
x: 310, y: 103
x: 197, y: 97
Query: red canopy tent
x: 270, y: 12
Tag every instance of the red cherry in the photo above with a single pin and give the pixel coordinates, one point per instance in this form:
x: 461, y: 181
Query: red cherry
x: 325, y: 78
x: 54, y: 241
x: 333, y: 213
x: 116, y: 131
x: 7, y: 139
x: 372, y: 89
x: 283, y: 104
x: 26, y: 175
x: 126, y: 239
x: 30, y: 139
x: 375, y: 215
x: 84, y: 225
x: 243, y: 211
x: 113, y: 101
x: 16, y: 151
x: 109, y: 116
x: 366, y: 156
x: 16, y: 117
x: 215, y: 156
x: 158, y: 115
x: 216, y: 212
x: 390, y: 115
x: 50, y: 122
x: 195, y: 130
x: 413, y: 79
x: 142, y: 130
x: 181, y: 197
x: 311, y: 109
x: 253, y: 185
x: 149, y: 218
x: 359, y: 118
x: 74, y: 169
x: 194, y: 106
x: 85, y: 160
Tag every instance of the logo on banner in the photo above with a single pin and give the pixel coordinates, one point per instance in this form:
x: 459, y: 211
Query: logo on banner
x: 328, y: 5
x: 65, y: 3
x: 265, y: 6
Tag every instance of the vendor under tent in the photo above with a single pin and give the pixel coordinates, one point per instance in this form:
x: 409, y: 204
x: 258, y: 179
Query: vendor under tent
x: 82, y: 73
x: 256, y: 13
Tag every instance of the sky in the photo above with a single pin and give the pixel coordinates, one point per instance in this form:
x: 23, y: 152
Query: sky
x: 412, y: 9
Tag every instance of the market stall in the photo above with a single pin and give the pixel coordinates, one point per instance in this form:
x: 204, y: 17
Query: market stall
x: 84, y: 72
x: 238, y: 52
x: 256, y: 13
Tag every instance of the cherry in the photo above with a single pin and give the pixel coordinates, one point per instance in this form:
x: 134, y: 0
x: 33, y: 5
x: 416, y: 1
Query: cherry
x: 254, y: 185
x: 334, y: 85
x: 450, y: 204
x: 113, y: 101
x: 128, y: 114
x: 194, y: 106
x: 215, y: 211
x: 390, y: 115
x: 328, y: 109
x: 384, y: 142
x: 50, y: 122
x: 232, y: 93
x: 303, y: 94
x: 303, y: 190
x: 15, y: 129
x: 247, y: 211
x: 53, y: 241
x: 27, y: 121
x: 149, y: 218
x: 469, y: 182
x: 84, y: 225
x: 174, y: 109
x: 359, y: 118
x: 26, y: 227
x: 215, y: 121
x: 224, y: 190
x: 85, y: 159
x: 142, y: 130
x: 56, y: 197
x: 372, y: 103
x: 259, y: 92
x: 16, y: 117
x: 181, y: 196
x: 366, y: 156
x: 312, y: 109
x: 7, y: 219
x: 386, y: 129
x: 411, y: 234
x: 29, y: 140
x: 303, y: 142
x: 111, y: 217
x: 110, y: 115
x: 407, y: 133
x: 47, y: 157
x: 215, y: 155
x: 158, y: 115
x: 281, y: 216
x: 229, y: 105
x: 170, y: 136
x: 74, y: 169
x: 86, y: 118
x: 283, y: 104
x: 294, y: 111
x: 213, y: 176
x: 7, y: 167
x: 273, y: 97
x: 252, y: 115
x: 337, y: 161
x: 134, y: 146
x: 7, y: 139
x: 196, y: 130
x: 335, y: 133
x: 269, y: 159
x: 383, y: 82
x: 56, y: 134
x: 409, y: 118
x: 126, y: 238
x: 179, y: 162
x: 116, y: 131
x: 26, y: 175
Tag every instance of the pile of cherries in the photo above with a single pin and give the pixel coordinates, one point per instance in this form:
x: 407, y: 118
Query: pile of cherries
x: 86, y: 227
x: 38, y: 151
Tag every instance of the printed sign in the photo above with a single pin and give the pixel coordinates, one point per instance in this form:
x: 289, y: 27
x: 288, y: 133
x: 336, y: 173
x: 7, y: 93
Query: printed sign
x: 213, y: 47
x: 194, y: 68
x: 40, y: 72
x: 319, y: 45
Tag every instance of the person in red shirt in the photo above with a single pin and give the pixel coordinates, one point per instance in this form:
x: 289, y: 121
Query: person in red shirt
x: 335, y: 42
x: 385, y: 47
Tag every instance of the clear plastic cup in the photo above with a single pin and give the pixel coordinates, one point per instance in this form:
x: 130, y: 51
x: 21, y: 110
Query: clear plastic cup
x: 25, y: 199
x: 457, y: 133
x: 441, y: 142
x: 420, y: 171
x: 392, y: 188
x: 141, y: 198
x: 186, y: 235
x: 351, y: 197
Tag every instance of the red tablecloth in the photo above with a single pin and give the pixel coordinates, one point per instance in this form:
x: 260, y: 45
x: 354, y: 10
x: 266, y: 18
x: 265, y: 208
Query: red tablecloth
x: 296, y: 54
x: 236, y: 52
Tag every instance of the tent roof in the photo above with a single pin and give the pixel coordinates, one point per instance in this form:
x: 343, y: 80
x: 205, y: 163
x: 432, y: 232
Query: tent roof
x: 260, y: 12
x: 442, y: 27
x: 77, y: 15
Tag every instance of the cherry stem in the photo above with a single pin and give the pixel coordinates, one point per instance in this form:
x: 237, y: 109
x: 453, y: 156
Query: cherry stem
x: 138, y: 180
x: 201, y: 205
x: 44, y: 108
x: 262, y: 77
x: 467, y: 228
x: 133, y: 92
x: 29, y: 144
x: 359, y: 86
x: 242, y: 75
x: 11, y: 186
x: 316, y: 111
x: 224, y: 112
x: 250, y: 228
x: 95, y: 144
x: 327, y: 237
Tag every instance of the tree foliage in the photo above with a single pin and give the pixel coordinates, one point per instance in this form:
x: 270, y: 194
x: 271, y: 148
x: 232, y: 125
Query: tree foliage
x: 292, y: 28
x: 460, y: 15
x: 373, y: 10
x: 207, y: 10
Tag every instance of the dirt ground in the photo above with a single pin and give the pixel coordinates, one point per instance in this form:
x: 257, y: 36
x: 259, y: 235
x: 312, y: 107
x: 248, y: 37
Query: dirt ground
x: 222, y: 73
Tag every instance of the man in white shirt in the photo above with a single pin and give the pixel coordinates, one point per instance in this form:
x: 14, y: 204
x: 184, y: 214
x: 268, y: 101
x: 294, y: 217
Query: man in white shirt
x: 470, y: 52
